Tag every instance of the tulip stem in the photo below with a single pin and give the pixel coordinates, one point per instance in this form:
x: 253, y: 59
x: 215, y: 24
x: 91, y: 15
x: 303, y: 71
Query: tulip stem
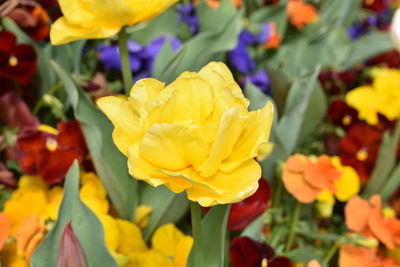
x: 195, y: 211
x: 126, y: 66
x: 331, y: 253
x: 295, y: 220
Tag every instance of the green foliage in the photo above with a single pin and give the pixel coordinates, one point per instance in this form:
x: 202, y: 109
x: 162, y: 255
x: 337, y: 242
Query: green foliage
x: 85, y: 224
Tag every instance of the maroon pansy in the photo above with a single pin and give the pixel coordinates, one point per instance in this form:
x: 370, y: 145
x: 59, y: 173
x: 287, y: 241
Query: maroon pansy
x: 342, y: 115
x: 332, y: 144
x: 337, y: 82
x: 245, y: 252
x: 17, y: 62
x: 359, y: 148
x: 15, y: 112
x: 51, y: 154
x: 245, y: 211
x: 376, y: 5
x: 389, y: 59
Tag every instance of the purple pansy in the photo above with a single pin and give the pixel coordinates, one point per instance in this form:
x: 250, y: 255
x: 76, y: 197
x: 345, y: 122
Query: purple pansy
x: 261, y: 80
x: 187, y: 15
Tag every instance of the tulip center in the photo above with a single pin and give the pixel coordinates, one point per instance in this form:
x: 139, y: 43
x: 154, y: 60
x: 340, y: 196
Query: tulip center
x: 362, y: 154
x: 346, y: 120
x: 264, y: 262
x: 51, y: 144
x: 13, y: 61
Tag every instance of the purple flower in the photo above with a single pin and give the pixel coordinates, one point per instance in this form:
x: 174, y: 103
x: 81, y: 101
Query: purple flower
x: 141, y: 57
x: 71, y: 252
x: 188, y: 16
x: 261, y: 80
x: 357, y: 30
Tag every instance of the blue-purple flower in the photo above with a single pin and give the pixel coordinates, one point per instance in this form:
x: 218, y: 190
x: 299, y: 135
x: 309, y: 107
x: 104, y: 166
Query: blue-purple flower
x: 261, y: 80
x: 187, y: 15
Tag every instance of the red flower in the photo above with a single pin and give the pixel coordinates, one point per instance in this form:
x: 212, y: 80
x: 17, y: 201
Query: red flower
x: 15, y: 112
x: 342, y: 115
x: 245, y: 211
x: 389, y: 59
x: 376, y: 5
x: 337, y: 82
x: 17, y: 62
x: 245, y: 252
x: 50, y: 155
x: 359, y: 148
x: 33, y: 19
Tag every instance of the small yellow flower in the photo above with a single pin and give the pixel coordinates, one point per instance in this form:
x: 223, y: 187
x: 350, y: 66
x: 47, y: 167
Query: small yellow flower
x: 142, y: 215
x: 195, y: 134
x: 94, y: 19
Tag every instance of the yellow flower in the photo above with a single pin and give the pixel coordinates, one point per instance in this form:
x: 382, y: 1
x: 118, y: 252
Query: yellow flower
x: 142, y: 215
x: 383, y: 96
x: 195, y: 134
x: 346, y: 186
x: 94, y: 19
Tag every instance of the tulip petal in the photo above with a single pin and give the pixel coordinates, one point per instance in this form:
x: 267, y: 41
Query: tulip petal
x: 127, y: 128
x: 171, y: 147
x: 63, y: 32
x: 71, y: 252
x: 236, y: 185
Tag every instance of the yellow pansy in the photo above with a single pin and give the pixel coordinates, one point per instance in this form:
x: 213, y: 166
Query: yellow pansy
x: 142, y: 215
x: 383, y: 96
x: 346, y: 186
x: 94, y: 19
x: 195, y: 134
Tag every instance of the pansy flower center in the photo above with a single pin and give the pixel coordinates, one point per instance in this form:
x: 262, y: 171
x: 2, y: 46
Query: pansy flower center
x: 51, y: 144
x: 13, y: 61
x: 346, y: 120
x: 362, y: 154
x: 264, y: 262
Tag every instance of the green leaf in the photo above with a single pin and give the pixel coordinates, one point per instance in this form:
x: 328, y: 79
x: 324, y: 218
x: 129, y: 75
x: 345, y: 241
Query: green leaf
x: 303, y: 254
x: 85, y: 224
x: 110, y: 164
x: 366, y: 47
x: 290, y: 124
x: 167, y: 206
x: 214, y: 20
x: 384, y: 164
x: 200, y: 50
x: 214, y: 228
x: 392, y: 184
x: 253, y: 230
x: 267, y: 14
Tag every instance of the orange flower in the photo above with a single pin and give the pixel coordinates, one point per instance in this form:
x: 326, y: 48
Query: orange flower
x: 5, y: 227
x: 367, y: 218
x: 352, y: 256
x: 306, y: 178
x: 274, y: 39
x: 300, y: 13
x: 214, y: 4
x: 29, y: 235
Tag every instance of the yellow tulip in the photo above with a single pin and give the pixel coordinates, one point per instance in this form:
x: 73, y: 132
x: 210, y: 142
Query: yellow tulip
x: 94, y: 19
x: 195, y: 134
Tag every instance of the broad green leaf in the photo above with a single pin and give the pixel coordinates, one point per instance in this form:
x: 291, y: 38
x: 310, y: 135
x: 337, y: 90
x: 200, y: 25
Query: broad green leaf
x: 292, y: 120
x: 304, y: 254
x: 214, y: 20
x: 384, y: 164
x: 167, y: 206
x: 200, y: 50
x: 254, y: 229
x: 366, y: 47
x: 214, y: 228
x: 85, y: 224
x: 110, y: 164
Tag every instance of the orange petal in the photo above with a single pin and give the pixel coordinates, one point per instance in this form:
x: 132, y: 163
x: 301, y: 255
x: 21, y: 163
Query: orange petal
x: 352, y: 256
x: 5, y: 229
x: 297, y: 186
x: 357, y: 211
x: 322, y: 174
x: 27, y: 230
x: 297, y: 163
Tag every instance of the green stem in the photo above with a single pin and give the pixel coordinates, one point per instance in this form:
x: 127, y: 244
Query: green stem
x: 126, y: 66
x: 195, y: 211
x: 278, y: 193
x: 51, y: 91
x: 295, y: 220
x: 331, y: 253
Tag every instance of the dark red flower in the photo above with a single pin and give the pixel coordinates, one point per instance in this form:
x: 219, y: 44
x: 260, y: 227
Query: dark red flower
x: 245, y: 252
x: 376, y: 5
x: 332, y: 144
x: 389, y: 59
x: 33, y: 19
x: 17, y: 62
x: 15, y: 112
x: 337, y: 82
x: 245, y: 211
x: 342, y: 115
x: 50, y: 155
x: 6, y: 176
x: 359, y: 148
